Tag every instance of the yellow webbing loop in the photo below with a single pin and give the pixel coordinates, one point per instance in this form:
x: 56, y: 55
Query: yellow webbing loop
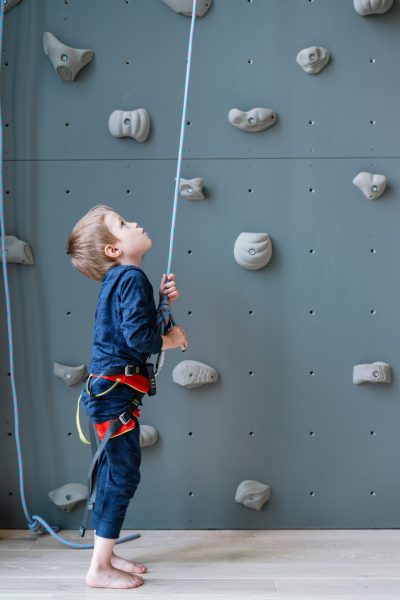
x: 78, y: 423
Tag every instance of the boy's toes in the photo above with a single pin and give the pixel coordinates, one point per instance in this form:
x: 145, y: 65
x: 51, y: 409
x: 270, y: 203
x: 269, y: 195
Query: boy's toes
x: 127, y: 565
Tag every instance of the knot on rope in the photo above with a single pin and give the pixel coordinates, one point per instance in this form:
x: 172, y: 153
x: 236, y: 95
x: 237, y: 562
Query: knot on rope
x: 164, y: 318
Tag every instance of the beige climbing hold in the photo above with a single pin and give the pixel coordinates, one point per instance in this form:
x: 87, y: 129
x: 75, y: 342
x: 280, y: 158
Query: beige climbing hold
x: 185, y: 7
x: 376, y: 372
x: 17, y: 251
x: 67, y: 61
x: 130, y: 123
x: 372, y: 185
x: 192, y: 188
x: 191, y: 374
x: 70, y: 375
x: 253, y: 120
x: 68, y: 495
x: 252, y: 494
x: 148, y: 436
x: 372, y: 7
x: 9, y: 4
x: 253, y: 250
x: 312, y: 60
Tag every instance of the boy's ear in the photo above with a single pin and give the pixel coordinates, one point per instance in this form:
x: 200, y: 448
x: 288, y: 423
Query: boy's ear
x: 112, y: 251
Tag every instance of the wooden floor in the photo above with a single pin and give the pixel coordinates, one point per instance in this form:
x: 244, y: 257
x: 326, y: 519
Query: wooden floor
x: 211, y: 564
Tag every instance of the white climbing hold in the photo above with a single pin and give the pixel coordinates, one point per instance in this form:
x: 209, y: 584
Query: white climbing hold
x: 66, y: 61
x: 9, y: 4
x: 372, y: 185
x: 192, y: 188
x: 312, y: 60
x: 70, y: 375
x: 148, y: 436
x: 17, y: 251
x: 376, y: 372
x: 130, y: 123
x: 68, y: 495
x: 191, y: 374
x: 252, y: 494
x: 372, y: 7
x: 253, y: 250
x: 253, y: 120
x: 185, y: 7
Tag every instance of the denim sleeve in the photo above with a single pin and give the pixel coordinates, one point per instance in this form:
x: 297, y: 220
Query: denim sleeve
x: 138, y: 315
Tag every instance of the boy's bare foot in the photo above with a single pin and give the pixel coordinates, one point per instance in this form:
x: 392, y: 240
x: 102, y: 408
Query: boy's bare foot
x: 126, y: 565
x: 110, y: 577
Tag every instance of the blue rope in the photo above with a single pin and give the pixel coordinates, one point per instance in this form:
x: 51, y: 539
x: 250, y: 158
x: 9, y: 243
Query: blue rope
x: 36, y: 523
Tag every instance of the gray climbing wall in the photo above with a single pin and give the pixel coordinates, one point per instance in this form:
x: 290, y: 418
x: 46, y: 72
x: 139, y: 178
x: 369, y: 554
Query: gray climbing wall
x: 284, y: 339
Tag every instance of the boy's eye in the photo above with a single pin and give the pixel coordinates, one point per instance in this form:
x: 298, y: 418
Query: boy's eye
x: 122, y: 223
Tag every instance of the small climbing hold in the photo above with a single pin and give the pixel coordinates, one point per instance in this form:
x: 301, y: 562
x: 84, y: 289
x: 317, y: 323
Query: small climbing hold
x: 252, y: 494
x: 372, y: 185
x: 192, y: 188
x: 372, y: 7
x: 184, y: 7
x: 70, y: 375
x: 17, y: 251
x: 130, y: 123
x: 148, y: 436
x: 68, y: 495
x: 9, y: 4
x: 377, y: 372
x: 253, y: 250
x: 312, y: 60
x: 66, y: 61
x: 253, y: 120
x: 191, y: 374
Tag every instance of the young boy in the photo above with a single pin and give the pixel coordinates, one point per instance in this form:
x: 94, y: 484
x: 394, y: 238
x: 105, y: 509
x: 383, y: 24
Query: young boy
x: 105, y: 247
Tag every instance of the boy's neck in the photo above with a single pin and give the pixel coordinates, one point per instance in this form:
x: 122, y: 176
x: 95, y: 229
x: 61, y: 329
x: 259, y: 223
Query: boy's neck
x: 134, y: 262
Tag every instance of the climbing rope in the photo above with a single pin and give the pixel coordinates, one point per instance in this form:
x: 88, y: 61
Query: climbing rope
x: 36, y: 523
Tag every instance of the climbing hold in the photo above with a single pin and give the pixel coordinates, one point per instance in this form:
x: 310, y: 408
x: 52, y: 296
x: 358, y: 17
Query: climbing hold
x: 68, y: 495
x: 9, y: 4
x: 130, y: 123
x: 372, y: 7
x: 148, y: 435
x: 371, y: 184
x: 17, y: 251
x: 191, y: 374
x: 312, y: 60
x: 252, y: 494
x: 66, y: 61
x: 192, y: 188
x: 70, y: 375
x: 184, y: 7
x: 253, y: 120
x: 377, y: 372
x: 253, y: 250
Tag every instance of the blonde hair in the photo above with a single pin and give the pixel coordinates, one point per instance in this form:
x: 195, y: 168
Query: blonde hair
x: 87, y: 240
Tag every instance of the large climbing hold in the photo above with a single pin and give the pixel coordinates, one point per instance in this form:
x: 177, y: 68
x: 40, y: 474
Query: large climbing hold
x: 68, y: 495
x: 148, y: 436
x: 376, y: 372
x: 9, y: 4
x: 66, y: 61
x: 192, y: 188
x: 70, y: 375
x: 253, y: 250
x: 312, y: 60
x: 253, y: 120
x: 185, y: 7
x: 372, y: 7
x: 252, y: 494
x: 192, y: 374
x: 130, y: 123
x: 372, y: 185
x: 17, y: 251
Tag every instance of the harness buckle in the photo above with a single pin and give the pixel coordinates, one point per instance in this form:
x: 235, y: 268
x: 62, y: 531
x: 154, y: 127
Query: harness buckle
x: 131, y: 370
x: 125, y: 417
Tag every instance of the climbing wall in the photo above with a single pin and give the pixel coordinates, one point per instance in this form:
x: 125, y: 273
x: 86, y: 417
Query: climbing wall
x: 284, y: 338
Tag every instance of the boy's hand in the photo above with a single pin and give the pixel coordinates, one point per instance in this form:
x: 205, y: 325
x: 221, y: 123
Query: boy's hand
x: 169, y: 288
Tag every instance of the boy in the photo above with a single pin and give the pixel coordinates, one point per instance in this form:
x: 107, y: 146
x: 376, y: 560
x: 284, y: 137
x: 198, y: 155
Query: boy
x: 105, y: 247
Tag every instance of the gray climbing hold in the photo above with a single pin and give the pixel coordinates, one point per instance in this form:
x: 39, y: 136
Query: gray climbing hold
x: 372, y: 185
x: 191, y: 374
x: 253, y: 120
x: 376, y: 372
x: 192, y: 188
x: 9, y: 4
x: 184, y: 7
x: 312, y: 60
x: 252, y: 494
x: 70, y: 375
x: 68, y: 495
x: 17, y: 251
x: 66, y: 61
x: 253, y: 250
x: 372, y: 7
x: 130, y: 123
x: 148, y: 436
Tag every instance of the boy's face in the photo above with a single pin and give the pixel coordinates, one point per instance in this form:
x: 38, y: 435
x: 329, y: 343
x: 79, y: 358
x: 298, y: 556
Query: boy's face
x: 133, y: 240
